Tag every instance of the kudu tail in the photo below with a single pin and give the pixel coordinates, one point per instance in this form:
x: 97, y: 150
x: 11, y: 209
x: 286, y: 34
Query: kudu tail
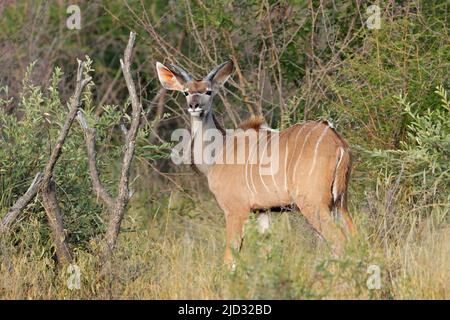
x: 341, y: 176
x: 340, y: 186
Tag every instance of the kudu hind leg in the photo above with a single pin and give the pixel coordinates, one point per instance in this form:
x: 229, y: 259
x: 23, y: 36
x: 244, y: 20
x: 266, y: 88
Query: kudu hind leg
x: 347, y: 219
x: 320, y: 217
x: 263, y: 222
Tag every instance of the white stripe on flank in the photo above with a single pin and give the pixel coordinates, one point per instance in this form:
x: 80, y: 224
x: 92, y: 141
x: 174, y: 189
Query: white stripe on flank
x: 271, y: 156
x: 301, y: 150
x: 315, y: 150
x: 246, y: 164
x: 251, y: 152
x: 278, y: 157
x: 293, y: 153
x: 259, y: 166
x: 286, y: 154
x: 335, y: 195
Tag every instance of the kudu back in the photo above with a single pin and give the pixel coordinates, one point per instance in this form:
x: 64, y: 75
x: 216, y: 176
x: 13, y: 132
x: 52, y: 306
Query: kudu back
x: 309, y: 163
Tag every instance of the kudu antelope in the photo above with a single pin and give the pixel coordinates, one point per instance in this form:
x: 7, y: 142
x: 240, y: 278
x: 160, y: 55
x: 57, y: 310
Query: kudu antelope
x: 313, y: 168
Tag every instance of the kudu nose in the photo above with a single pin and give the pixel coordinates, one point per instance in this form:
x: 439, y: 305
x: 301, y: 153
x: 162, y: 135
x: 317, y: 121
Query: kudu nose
x: 194, y: 106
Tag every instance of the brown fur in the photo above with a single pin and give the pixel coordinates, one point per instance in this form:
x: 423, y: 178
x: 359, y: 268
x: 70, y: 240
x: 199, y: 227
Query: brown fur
x: 312, y: 169
x: 197, y: 86
x: 253, y: 122
x: 313, y: 159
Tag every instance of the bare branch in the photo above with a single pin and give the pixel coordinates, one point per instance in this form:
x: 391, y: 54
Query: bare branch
x: 21, y: 203
x: 130, y: 143
x: 48, y: 186
x: 158, y: 103
x: 89, y: 138
x: 116, y: 206
x: 51, y: 206
x: 74, y: 105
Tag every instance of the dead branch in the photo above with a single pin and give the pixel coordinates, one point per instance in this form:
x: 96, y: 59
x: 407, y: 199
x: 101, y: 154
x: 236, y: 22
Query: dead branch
x: 130, y: 144
x: 55, y: 222
x: 89, y: 138
x: 157, y: 103
x: 48, y: 185
x: 115, y: 206
x: 21, y: 203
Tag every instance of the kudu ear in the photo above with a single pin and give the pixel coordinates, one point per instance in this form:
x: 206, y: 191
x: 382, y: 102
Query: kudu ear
x: 172, y: 80
x: 220, y: 74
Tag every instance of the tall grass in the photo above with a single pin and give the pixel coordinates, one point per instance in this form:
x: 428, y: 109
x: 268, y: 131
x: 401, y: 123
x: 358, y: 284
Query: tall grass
x: 166, y: 254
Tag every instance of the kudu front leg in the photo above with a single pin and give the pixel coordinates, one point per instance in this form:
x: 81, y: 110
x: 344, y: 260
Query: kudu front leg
x: 235, y: 220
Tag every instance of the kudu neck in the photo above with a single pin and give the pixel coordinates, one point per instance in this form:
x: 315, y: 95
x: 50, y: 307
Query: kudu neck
x: 199, y: 128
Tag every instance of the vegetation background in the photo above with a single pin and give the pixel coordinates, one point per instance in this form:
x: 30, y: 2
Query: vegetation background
x: 384, y: 89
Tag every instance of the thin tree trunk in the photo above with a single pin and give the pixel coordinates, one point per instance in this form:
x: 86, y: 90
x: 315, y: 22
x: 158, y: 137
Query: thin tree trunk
x: 48, y: 185
x: 130, y: 144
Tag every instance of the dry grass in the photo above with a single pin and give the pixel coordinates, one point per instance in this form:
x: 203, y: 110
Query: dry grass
x: 175, y: 252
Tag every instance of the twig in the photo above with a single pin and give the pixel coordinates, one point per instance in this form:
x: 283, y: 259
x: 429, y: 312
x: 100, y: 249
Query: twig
x: 89, y: 138
x: 21, y: 203
x: 158, y: 103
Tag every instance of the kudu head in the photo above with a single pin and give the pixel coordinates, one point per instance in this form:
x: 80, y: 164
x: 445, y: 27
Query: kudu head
x: 199, y: 93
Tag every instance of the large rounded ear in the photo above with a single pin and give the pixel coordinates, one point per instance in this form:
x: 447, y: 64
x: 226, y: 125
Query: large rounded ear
x: 172, y: 80
x: 220, y: 74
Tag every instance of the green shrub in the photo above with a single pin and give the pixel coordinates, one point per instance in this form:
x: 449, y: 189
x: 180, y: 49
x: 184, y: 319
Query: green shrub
x: 27, y: 138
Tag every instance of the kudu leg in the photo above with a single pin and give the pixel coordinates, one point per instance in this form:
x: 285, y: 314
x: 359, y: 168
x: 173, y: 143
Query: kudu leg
x: 235, y: 221
x: 347, y: 219
x: 320, y: 217
x: 263, y: 221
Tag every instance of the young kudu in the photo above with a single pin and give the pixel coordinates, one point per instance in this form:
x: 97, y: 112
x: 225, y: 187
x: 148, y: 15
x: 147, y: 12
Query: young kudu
x: 313, y: 163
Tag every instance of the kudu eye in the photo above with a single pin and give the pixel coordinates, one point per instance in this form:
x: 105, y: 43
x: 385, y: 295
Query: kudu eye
x: 186, y: 93
x: 208, y: 93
